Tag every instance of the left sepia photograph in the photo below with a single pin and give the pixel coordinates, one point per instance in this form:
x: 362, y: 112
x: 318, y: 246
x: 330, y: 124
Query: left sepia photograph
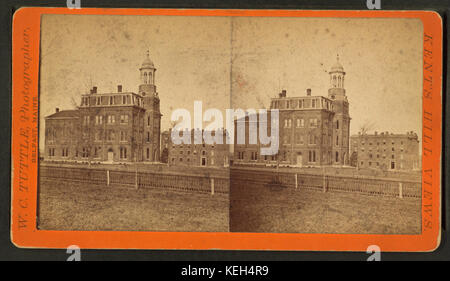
x: 108, y: 90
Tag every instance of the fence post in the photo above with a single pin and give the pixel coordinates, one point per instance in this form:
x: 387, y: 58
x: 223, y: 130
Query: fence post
x: 296, y: 181
x: 107, y: 177
x: 136, y: 179
x: 400, y: 190
x: 212, y: 186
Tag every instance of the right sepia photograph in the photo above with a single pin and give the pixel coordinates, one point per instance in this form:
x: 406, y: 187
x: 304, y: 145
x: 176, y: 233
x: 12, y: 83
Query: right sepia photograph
x: 343, y: 97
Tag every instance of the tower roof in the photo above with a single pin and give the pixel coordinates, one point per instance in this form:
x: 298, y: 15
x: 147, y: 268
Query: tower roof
x: 147, y: 63
x: 337, y: 67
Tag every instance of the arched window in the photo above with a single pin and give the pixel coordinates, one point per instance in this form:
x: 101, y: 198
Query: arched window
x: 145, y: 77
x: 337, y: 156
x: 150, y: 81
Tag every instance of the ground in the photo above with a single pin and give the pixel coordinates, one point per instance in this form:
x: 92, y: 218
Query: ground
x: 255, y: 207
x: 76, y: 206
x: 259, y: 208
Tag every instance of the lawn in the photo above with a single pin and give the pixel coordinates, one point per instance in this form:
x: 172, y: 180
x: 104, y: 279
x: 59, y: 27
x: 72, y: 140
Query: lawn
x: 259, y: 208
x: 76, y: 206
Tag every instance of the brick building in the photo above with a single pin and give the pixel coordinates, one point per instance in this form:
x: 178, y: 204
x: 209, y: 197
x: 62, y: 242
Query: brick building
x: 313, y: 130
x: 202, y: 154
x: 113, y: 127
x: 386, y: 151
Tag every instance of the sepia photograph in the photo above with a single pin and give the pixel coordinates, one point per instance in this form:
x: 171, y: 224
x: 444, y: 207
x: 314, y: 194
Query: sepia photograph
x: 349, y: 96
x: 230, y: 124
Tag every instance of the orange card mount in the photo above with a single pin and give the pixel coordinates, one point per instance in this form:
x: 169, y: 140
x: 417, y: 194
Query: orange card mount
x: 25, y: 149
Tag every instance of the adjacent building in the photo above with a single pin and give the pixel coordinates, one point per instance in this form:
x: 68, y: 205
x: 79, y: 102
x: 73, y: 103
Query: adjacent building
x: 313, y: 129
x: 198, y: 153
x: 386, y: 151
x: 114, y: 127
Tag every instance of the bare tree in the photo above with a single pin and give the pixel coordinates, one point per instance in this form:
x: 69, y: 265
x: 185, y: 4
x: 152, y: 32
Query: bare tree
x: 73, y: 102
x: 366, y: 127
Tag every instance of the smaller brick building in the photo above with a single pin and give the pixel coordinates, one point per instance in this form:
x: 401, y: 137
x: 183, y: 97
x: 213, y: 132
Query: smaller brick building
x: 202, y: 155
x: 386, y: 151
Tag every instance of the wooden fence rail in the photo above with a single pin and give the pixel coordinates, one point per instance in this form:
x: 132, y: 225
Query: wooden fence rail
x: 200, y: 183
x: 148, y: 180
x: 372, y: 186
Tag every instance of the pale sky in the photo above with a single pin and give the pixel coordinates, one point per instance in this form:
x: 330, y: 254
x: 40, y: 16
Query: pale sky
x: 194, y: 57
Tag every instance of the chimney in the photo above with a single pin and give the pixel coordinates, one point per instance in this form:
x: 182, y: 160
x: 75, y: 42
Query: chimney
x: 119, y: 88
x: 308, y: 92
x: 94, y: 89
x: 57, y: 109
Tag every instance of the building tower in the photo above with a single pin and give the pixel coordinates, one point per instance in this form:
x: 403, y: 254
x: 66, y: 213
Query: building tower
x: 152, y: 118
x: 341, y: 119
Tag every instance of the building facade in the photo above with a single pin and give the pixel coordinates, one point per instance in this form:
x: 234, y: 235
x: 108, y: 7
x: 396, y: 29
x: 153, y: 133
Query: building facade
x: 313, y: 130
x: 386, y: 151
x: 198, y: 154
x: 109, y: 127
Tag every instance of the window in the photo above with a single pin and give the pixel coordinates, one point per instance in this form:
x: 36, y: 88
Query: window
x: 287, y: 123
x: 312, y: 139
x: 337, y: 140
x: 124, y: 100
x: 312, y: 156
x: 313, y: 122
x: 123, y: 136
x: 337, y: 156
x: 111, y: 119
x: 300, y: 123
x: 300, y: 139
x: 254, y: 156
x: 99, y: 119
x: 124, y: 119
x: 86, y: 120
x: 148, y: 136
x: 111, y: 100
x: 65, y: 152
x: 110, y: 135
x: 123, y: 153
x: 85, y: 152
